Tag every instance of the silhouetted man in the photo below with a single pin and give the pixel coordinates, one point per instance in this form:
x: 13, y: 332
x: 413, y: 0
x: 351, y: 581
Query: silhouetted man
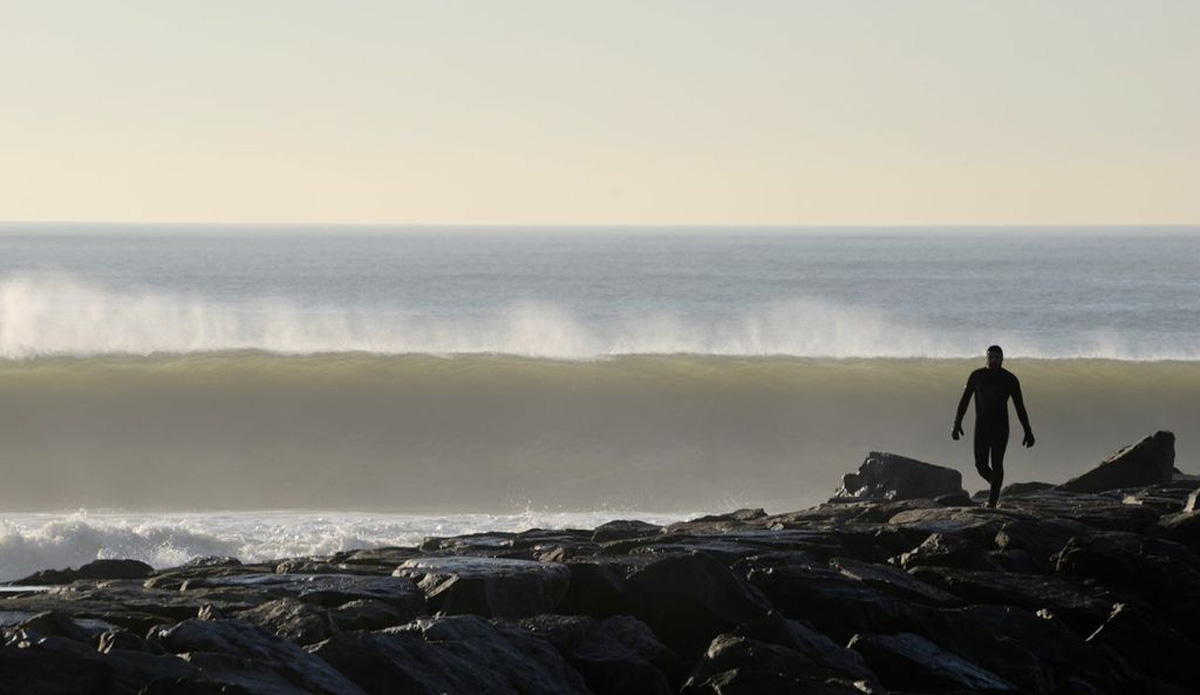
x: 992, y: 386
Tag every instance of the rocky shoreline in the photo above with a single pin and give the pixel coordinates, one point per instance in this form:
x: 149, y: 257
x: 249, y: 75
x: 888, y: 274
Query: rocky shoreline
x: 901, y: 583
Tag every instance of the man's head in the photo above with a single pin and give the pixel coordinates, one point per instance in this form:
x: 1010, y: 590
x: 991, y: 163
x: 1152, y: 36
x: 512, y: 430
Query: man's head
x: 995, y: 357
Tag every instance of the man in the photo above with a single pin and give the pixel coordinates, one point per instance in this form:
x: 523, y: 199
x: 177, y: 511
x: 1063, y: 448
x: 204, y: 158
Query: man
x: 992, y: 386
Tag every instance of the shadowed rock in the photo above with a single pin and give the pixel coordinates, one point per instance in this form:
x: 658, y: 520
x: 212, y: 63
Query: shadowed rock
x: 1150, y: 461
x: 895, y: 582
x: 689, y: 599
x: 458, y: 654
x: 615, y: 656
x: 910, y: 662
x: 1080, y: 606
x: 48, y: 669
x: 1148, y: 644
x: 731, y: 658
x: 233, y: 651
x: 834, y: 603
x: 801, y: 637
x: 941, y: 550
x: 891, y: 477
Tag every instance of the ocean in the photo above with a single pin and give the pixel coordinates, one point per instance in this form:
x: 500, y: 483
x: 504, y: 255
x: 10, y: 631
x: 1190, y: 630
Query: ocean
x: 167, y: 392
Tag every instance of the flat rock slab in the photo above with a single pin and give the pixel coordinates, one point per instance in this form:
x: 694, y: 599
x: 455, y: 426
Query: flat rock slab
x: 491, y: 587
x: 975, y: 522
x: 328, y: 590
x: 1099, y: 511
x: 895, y: 582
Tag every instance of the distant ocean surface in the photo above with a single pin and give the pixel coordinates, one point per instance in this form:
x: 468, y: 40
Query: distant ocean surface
x: 165, y: 392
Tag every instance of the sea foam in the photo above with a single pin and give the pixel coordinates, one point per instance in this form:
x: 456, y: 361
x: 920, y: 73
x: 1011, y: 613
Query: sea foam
x: 32, y: 542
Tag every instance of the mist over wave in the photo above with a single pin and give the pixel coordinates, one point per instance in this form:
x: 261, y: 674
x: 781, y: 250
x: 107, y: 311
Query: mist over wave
x: 46, y: 315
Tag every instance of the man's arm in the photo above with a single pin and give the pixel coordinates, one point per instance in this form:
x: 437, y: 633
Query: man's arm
x: 1019, y: 404
x: 962, y: 406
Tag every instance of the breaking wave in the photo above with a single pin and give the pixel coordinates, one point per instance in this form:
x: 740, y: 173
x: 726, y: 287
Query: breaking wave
x: 54, y: 315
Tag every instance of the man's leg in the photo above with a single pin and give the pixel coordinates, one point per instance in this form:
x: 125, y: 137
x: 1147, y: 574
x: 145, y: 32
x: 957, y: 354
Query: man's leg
x: 981, y: 454
x: 999, y: 445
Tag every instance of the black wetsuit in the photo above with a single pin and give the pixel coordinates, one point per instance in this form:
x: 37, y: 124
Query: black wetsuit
x: 992, y: 388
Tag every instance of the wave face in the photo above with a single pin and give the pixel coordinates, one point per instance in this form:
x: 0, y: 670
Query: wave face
x: 32, y: 542
x: 423, y: 434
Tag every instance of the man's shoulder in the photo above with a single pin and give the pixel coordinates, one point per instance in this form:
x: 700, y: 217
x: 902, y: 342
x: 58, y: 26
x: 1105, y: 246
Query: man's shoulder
x: 1008, y: 375
x: 978, y: 373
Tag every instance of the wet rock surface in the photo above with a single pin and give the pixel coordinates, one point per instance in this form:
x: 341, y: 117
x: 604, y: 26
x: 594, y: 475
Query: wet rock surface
x: 908, y: 587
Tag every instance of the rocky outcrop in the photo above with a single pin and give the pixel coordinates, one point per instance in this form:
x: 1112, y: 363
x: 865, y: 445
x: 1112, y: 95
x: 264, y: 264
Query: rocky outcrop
x: 1054, y: 592
x: 891, y: 477
x: 1150, y: 461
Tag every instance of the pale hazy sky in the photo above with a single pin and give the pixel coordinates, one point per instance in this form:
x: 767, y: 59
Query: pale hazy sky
x: 601, y: 111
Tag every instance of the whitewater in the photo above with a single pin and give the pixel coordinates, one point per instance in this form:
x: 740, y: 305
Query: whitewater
x: 225, y: 392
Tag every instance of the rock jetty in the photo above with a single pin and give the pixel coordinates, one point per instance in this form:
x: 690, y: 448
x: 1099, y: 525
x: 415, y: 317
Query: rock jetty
x: 900, y: 584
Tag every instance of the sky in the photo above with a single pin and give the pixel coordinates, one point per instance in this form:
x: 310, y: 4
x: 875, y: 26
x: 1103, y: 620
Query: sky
x: 594, y: 112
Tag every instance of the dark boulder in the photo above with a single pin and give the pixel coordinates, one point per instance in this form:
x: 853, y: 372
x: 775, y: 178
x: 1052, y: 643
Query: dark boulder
x: 292, y: 619
x: 834, y: 603
x: 48, y: 669
x: 490, y: 587
x: 906, y: 661
x: 597, y: 584
x: 1148, y: 462
x: 891, y: 477
x: 615, y: 656
x: 689, y: 599
x: 1148, y: 644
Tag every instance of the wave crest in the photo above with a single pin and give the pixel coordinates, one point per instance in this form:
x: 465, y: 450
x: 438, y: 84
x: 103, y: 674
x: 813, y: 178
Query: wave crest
x: 57, y: 315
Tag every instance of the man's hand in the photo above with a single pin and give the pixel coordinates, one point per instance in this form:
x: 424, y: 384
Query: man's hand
x: 958, y: 432
x: 1028, y: 440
